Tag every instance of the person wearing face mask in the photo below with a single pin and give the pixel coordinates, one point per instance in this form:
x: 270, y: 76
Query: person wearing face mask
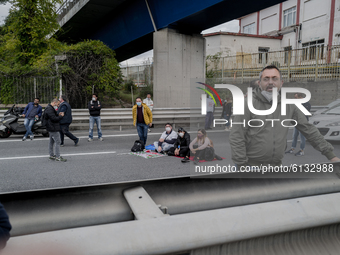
x: 142, y: 119
x: 94, y: 109
x: 148, y: 101
x: 181, y: 146
x: 167, y: 140
x: 32, y: 113
x: 265, y: 144
x: 51, y: 119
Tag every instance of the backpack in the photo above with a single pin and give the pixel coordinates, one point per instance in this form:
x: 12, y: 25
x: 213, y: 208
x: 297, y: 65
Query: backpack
x: 138, y: 146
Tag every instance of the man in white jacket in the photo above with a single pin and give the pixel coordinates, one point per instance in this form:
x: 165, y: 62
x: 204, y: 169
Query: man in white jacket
x: 167, y: 140
x: 148, y: 101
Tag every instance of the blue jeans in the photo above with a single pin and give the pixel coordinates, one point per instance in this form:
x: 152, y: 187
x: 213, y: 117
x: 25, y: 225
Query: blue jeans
x: 28, y: 125
x: 228, y: 119
x: 96, y: 120
x: 142, y: 130
x: 295, y: 137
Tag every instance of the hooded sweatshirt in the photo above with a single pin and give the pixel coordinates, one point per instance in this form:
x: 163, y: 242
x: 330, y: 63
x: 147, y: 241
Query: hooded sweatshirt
x: 266, y: 144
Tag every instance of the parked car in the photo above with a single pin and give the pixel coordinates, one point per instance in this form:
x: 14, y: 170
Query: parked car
x: 331, y: 105
x: 328, y: 123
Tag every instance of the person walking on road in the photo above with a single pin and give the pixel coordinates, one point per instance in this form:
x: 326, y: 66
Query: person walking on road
x: 66, y: 121
x: 142, y: 119
x: 51, y: 120
x: 94, y: 109
x: 31, y: 113
x: 148, y: 101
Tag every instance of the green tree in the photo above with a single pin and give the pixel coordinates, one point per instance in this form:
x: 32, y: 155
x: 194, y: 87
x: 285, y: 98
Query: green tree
x: 28, y: 29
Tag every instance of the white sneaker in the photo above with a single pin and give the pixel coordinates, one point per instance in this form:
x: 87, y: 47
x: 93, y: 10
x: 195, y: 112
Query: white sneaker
x: 101, y: 139
x: 90, y: 140
x: 31, y: 137
x: 226, y: 129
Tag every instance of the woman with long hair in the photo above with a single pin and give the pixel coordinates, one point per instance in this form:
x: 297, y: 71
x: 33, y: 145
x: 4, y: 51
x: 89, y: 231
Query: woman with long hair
x: 203, y: 144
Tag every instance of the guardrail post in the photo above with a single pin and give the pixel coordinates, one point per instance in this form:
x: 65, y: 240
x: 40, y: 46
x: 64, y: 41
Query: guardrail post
x: 222, y: 67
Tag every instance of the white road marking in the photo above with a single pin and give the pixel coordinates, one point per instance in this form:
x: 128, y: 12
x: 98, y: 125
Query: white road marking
x: 86, y: 137
x: 64, y: 155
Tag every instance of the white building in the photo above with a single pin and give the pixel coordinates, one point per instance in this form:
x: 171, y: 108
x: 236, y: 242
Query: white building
x: 296, y: 23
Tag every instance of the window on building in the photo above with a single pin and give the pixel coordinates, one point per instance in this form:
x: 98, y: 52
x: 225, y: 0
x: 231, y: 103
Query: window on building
x: 263, y: 55
x: 249, y: 29
x: 289, y: 17
x: 310, y: 49
x: 287, y: 50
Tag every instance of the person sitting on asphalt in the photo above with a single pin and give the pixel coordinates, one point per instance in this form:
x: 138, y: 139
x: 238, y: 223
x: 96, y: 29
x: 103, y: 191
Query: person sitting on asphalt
x: 31, y: 113
x: 203, y: 143
x: 167, y: 140
x: 181, y: 146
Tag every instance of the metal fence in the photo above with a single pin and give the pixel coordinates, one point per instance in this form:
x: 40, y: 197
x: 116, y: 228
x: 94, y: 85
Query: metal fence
x: 141, y: 75
x: 306, y: 64
x: 21, y: 90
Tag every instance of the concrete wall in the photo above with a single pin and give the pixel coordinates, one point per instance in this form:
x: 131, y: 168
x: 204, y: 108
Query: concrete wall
x: 230, y: 45
x: 178, y: 58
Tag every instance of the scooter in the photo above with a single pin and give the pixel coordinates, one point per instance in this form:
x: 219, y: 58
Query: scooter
x: 9, y: 124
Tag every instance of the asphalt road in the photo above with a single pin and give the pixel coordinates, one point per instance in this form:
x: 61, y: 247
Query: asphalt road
x: 25, y: 165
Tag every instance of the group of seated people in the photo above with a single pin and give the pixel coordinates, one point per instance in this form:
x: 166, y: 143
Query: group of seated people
x: 173, y: 144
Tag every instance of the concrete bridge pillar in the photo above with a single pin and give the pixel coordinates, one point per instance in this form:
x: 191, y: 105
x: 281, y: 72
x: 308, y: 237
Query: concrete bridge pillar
x: 178, y: 58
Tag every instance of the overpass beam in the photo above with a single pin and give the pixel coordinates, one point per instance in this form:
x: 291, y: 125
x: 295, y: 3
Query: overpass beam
x: 178, y: 58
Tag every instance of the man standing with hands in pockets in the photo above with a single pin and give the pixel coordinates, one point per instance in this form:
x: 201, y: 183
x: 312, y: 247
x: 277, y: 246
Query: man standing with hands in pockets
x: 94, y: 109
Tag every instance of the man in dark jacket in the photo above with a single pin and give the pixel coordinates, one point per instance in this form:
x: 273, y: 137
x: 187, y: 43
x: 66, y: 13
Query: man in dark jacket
x: 181, y: 145
x: 94, y: 109
x: 5, y: 227
x: 227, y: 112
x: 66, y: 121
x: 31, y: 113
x: 51, y: 120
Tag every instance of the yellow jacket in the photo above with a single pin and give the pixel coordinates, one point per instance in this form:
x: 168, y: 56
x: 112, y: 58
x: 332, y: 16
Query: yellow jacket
x: 146, y: 113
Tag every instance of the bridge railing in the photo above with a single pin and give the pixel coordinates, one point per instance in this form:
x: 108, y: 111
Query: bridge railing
x: 65, y: 7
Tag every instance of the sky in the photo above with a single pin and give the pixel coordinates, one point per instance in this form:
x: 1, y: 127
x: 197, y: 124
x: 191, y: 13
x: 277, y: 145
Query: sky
x: 231, y: 26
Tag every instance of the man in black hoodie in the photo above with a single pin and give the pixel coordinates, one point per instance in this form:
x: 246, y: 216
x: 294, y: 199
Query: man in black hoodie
x: 51, y: 120
x: 181, y: 146
x: 5, y: 227
x: 94, y: 109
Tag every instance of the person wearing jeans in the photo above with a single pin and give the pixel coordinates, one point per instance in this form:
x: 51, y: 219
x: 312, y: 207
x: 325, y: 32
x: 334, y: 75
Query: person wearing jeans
x: 296, y: 133
x: 94, y: 109
x: 142, y: 119
x: 96, y: 120
x: 31, y: 112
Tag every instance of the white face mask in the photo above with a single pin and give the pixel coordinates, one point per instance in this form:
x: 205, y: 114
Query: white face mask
x: 55, y: 107
x: 268, y: 95
x: 93, y: 99
x: 167, y: 129
x: 181, y: 134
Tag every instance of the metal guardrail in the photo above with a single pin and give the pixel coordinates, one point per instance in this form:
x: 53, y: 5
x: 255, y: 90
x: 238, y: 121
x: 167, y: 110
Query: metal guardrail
x: 92, y: 219
x: 122, y: 117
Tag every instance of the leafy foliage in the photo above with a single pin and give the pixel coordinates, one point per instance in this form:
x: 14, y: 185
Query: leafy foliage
x: 28, y: 48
